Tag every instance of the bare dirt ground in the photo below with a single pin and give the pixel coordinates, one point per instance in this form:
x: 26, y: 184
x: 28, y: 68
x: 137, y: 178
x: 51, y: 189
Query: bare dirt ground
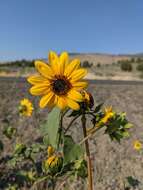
x: 113, y: 162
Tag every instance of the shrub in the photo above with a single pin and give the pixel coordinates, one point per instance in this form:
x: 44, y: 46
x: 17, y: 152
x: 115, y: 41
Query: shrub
x: 139, y: 60
x: 132, y: 60
x: 140, y: 67
x: 98, y: 64
x: 126, y: 66
x: 86, y: 64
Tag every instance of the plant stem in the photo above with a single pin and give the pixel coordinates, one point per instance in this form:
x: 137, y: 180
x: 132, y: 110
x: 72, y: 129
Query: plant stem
x: 53, y: 184
x: 89, y: 167
x: 70, y: 124
x: 60, y: 130
x: 94, y: 130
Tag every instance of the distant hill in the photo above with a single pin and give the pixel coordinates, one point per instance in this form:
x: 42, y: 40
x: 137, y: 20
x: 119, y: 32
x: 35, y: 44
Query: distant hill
x: 91, y: 57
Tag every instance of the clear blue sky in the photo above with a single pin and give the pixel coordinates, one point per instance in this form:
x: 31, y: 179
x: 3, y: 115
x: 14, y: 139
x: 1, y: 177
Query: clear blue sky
x: 30, y: 28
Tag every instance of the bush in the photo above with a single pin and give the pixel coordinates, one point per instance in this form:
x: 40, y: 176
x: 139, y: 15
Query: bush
x: 98, y: 64
x: 86, y: 64
x: 139, y: 67
x: 126, y: 66
x: 139, y: 60
x: 132, y: 60
x: 19, y: 63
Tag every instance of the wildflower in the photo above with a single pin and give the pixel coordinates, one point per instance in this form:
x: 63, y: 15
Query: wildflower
x: 54, y: 164
x: 108, y: 114
x: 58, y: 82
x: 137, y: 145
x: 26, y: 107
x: 50, y: 150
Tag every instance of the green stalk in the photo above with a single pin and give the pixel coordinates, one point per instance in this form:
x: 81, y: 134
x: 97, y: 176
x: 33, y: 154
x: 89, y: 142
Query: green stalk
x: 60, y: 130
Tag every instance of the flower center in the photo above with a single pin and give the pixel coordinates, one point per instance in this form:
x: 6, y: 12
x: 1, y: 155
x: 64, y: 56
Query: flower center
x: 61, y: 86
x: 23, y: 108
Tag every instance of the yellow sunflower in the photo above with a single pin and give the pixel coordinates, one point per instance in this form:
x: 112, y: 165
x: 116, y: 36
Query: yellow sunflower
x: 58, y: 82
x: 137, y: 145
x: 108, y: 114
x: 26, y: 107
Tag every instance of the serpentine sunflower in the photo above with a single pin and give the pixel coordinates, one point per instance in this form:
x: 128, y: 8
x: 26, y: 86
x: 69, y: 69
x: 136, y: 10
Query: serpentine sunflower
x: 137, y: 145
x: 26, y: 107
x: 58, y: 82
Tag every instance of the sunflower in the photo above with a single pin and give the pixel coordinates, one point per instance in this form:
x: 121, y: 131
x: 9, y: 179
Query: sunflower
x: 26, y: 107
x: 58, y: 82
x: 53, y: 164
x: 137, y: 145
x: 108, y: 114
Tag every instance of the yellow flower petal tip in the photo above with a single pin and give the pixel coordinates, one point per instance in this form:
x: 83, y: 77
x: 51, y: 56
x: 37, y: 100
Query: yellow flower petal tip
x: 58, y: 82
x: 137, y: 145
x: 26, y: 107
x: 108, y: 114
x: 50, y: 151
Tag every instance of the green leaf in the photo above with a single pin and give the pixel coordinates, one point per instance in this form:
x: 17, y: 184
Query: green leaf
x: 74, y: 113
x: 97, y: 109
x: 46, y: 140
x: 81, y: 168
x: 72, y: 151
x: 51, y: 126
x: 9, y: 132
x: 128, y: 125
x: 19, y: 148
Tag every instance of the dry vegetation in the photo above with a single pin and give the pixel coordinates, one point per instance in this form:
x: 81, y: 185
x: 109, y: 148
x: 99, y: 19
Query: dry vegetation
x: 100, y: 66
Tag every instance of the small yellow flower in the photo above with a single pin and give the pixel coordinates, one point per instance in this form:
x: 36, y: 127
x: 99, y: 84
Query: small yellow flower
x: 58, y: 82
x: 137, y: 145
x: 54, y: 164
x: 108, y: 114
x: 26, y: 107
x: 50, y: 151
x: 52, y: 160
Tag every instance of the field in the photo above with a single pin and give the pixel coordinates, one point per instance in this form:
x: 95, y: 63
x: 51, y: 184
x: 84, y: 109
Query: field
x: 116, y: 166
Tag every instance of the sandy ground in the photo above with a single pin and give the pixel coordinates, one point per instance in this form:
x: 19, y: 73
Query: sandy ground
x: 113, y: 162
x: 89, y: 76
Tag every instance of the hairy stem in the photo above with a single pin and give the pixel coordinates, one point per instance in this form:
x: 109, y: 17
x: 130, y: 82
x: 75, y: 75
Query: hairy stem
x: 89, y: 167
x: 60, y: 130
x: 90, y: 133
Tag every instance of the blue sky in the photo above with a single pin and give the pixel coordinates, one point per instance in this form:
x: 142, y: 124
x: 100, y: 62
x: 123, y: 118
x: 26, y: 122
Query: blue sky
x: 30, y: 28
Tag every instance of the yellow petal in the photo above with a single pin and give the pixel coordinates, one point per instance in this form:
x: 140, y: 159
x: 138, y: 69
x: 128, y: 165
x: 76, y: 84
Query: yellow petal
x: 44, y: 69
x: 40, y: 89
x: 36, y: 79
x: 72, y: 104
x: 64, y: 59
x: 61, y: 102
x: 71, y: 67
x: 46, y: 99
x: 54, y: 62
x: 52, y: 57
x: 79, y: 85
x: 78, y: 74
x: 75, y: 95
